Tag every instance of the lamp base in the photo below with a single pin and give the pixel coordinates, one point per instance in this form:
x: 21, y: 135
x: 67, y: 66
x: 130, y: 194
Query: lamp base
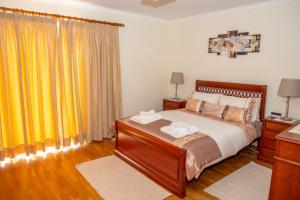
x: 176, y: 98
x: 286, y: 118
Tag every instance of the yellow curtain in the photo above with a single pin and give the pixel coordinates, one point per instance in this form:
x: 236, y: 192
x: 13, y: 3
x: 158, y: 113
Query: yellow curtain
x: 46, y: 95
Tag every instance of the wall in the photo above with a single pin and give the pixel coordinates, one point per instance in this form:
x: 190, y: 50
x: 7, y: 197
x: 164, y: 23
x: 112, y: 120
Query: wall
x: 279, y: 57
x: 144, y: 52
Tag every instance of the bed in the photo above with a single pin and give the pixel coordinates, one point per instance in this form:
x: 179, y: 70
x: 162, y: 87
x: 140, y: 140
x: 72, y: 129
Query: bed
x: 164, y: 162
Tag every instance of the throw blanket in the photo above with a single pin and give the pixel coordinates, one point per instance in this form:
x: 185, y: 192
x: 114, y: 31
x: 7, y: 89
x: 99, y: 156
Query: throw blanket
x: 201, y: 148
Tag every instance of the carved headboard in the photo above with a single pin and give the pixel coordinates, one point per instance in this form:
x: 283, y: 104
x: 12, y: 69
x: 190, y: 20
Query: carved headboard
x: 235, y: 89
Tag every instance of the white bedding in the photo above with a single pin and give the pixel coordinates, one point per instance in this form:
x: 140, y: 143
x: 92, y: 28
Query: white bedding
x: 229, y: 138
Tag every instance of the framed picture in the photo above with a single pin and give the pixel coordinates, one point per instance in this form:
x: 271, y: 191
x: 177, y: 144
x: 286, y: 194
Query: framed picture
x: 234, y: 43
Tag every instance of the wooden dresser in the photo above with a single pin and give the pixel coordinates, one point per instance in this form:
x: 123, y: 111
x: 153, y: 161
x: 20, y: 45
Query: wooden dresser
x: 285, y: 183
x: 171, y: 104
x: 271, y: 128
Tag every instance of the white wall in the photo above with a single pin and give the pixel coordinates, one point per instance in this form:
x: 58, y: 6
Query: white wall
x: 279, y: 27
x: 142, y: 45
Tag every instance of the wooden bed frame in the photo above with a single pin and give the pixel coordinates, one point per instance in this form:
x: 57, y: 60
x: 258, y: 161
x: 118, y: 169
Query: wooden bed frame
x: 163, y: 162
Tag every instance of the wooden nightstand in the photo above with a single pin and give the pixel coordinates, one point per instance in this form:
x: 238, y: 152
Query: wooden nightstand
x: 171, y: 104
x: 271, y: 128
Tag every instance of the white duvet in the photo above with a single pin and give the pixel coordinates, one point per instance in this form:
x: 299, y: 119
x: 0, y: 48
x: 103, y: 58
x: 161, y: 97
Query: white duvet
x: 229, y: 138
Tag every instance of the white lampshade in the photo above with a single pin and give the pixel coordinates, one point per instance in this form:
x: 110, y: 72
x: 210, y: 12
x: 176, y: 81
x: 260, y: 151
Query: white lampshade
x: 289, y: 88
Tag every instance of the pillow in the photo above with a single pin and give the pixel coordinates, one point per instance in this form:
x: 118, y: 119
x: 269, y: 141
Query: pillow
x: 236, y: 114
x: 253, y: 105
x: 214, y: 110
x: 193, y: 105
x: 208, y: 97
x: 233, y: 101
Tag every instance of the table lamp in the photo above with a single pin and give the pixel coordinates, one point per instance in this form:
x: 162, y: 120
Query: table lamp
x: 177, y: 78
x: 289, y: 88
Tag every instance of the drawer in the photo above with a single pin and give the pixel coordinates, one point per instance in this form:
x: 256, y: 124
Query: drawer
x: 267, y: 152
x: 288, y: 150
x: 277, y: 127
x: 171, y: 104
x: 268, y: 144
x: 270, y: 135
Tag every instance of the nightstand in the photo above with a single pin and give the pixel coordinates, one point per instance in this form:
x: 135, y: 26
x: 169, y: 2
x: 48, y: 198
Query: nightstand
x: 172, y: 104
x: 271, y: 128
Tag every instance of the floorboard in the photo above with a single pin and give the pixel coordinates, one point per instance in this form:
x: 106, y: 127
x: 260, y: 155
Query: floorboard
x: 55, y: 177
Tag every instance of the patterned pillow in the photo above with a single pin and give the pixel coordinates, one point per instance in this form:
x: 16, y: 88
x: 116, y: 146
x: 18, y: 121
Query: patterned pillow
x: 253, y: 105
x: 214, y: 110
x: 193, y: 105
x: 236, y: 114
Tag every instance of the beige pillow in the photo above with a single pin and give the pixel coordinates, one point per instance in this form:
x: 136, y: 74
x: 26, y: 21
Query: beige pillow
x: 236, y: 114
x: 214, y: 110
x: 193, y: 105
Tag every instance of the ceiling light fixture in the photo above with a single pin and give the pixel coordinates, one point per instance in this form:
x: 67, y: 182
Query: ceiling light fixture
x: 156, y: 3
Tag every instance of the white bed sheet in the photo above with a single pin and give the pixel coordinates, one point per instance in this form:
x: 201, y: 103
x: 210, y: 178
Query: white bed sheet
x: 229, y: 138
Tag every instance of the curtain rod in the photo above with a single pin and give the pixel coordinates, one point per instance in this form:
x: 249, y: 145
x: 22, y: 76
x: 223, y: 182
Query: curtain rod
x: 33, y: 13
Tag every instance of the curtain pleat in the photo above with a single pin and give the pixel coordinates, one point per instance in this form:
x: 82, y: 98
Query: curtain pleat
x: 60, y: 83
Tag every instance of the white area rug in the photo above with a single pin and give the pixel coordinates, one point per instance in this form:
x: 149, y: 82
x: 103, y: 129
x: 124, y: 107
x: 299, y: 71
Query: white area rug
x: 116, y: 180
x: 250, y: 182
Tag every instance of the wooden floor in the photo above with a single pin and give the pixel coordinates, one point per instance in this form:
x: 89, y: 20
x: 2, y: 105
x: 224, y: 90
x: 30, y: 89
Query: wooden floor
x: 56, y: 177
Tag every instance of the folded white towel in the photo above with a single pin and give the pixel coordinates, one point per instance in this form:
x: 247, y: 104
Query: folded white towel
x: 146, y: 117
x: 149, y: 113
x: 179, y: 129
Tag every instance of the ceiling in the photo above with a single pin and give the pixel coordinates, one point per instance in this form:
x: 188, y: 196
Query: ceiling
x: 175, y: 10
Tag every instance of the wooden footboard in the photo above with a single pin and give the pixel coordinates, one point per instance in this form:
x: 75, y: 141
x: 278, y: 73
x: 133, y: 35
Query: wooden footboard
x: 164, y: 163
